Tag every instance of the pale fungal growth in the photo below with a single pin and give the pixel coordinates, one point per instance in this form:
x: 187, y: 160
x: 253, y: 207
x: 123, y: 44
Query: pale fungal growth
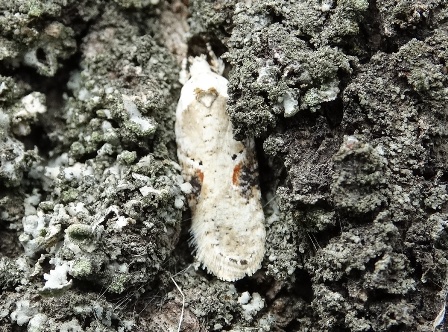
x: 26, y: 113
x: 23, y: 313
x: 227, y: 230
x: 251, y: 304
x: 57, y: 280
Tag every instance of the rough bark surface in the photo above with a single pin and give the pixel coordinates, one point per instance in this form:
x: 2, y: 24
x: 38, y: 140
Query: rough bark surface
x: 347, y: 101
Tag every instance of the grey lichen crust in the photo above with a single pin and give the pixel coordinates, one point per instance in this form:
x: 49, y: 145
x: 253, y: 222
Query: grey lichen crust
x: 32, y: 34
x: 385, y: 183
x: 356, y: 92
x: 347, y: 100
x: 292, y: 61
x: 102, y: 206
x: 116, y: 205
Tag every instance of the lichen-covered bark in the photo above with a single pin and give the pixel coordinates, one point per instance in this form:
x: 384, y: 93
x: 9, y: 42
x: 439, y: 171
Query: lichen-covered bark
x: 347, y: 101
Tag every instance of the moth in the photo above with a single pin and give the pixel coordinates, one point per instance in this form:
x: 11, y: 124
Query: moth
x: 228, y: 232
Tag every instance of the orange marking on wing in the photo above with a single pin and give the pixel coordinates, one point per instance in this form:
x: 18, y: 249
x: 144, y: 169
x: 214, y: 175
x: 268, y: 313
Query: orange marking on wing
x: 236, y: 174
x: 200, y: 175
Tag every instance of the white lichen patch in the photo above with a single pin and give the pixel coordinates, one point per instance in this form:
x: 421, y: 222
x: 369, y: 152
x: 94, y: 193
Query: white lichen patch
x: 325, y: 93
x: 23, y: 313
x: 251, y: 304
x: 290, y: 105
x: 35, y: 324
x: 147, y: 190
x: 244, y: 298
x: 121, y: 221
x: 41, y: 231
x: 25, y: 113
x: 34, y: 103
x: 227, y: 230
x: 57, y: 278
x: 145, y: 124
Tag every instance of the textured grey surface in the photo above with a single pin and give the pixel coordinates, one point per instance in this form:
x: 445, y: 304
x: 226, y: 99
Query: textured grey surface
x: 347, y: 101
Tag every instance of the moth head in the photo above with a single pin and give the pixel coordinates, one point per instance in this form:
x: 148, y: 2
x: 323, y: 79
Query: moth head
x: 199, y: 65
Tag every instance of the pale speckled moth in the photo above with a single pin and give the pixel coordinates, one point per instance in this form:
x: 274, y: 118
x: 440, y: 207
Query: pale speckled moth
x: 227, y: 217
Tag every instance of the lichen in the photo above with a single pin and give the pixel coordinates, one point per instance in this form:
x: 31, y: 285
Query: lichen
x: 33, y: 34
x: 348, y: 102
x: 303, y: 68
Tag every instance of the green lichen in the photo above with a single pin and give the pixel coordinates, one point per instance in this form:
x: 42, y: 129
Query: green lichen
x: 81, y: 268
x: 127, y: 157
x: 69, y: 195
x: 119, y: 283
x: 79, y: 232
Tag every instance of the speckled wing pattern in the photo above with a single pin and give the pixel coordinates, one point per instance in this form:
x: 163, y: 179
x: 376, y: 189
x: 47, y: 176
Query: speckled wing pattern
x: 227, y: 229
